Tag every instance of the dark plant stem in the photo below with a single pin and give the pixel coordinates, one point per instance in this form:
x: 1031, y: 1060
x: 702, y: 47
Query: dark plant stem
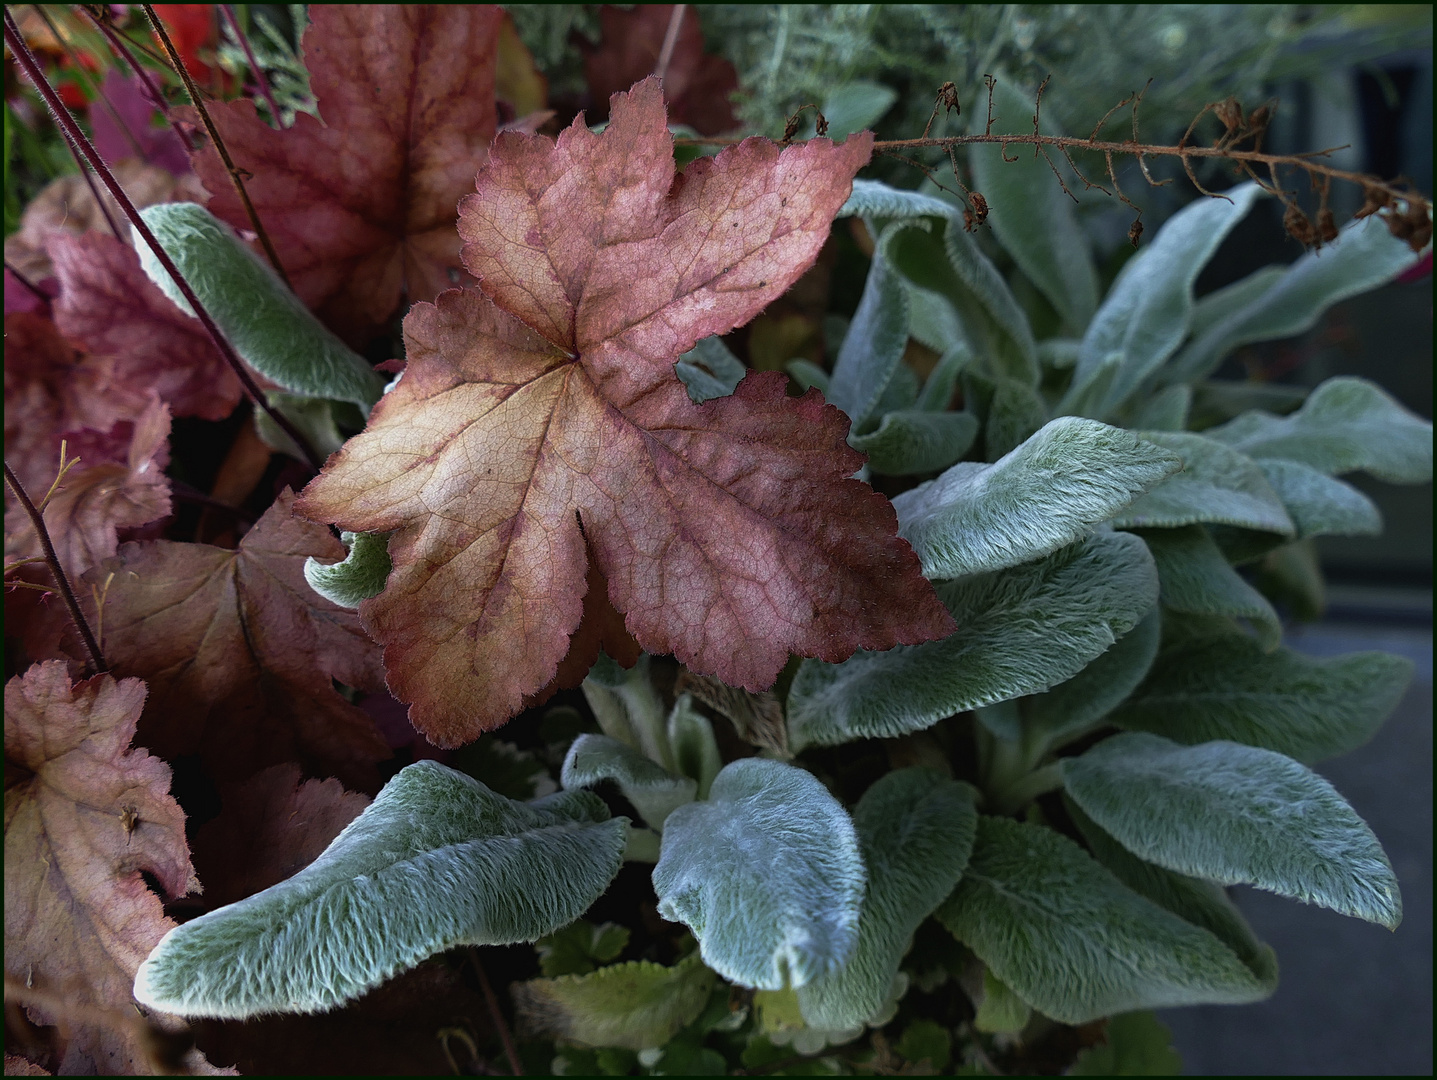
x: 23, y: 280
x: 219, y: 143
x: 95, y: 85
x: 671, y: 38
x: 97, y: 659
x: 184, y: 493
x: 510, y: 1051
x: 72, y: 130
x: 229, y: 13
x: 120, y: 46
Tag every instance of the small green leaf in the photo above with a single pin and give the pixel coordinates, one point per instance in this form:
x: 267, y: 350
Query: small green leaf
x: 915, y: 829
x: 875, y: 199
x: 1033, y: 217
x: 1073, y: 941
x: 691, y: 735
x: 873, y: 347
x: 1148, y: 310
x: 313, y: 417
x: 628, y: 708
x: 709, y: 370
x: 1002, y: 1011
x: 1292, y: 575
x: 631, y: 1006
x: 1227, y: 687
x: 1237, y: 815
x: 808, y: 374
x: 1049, y: 492
x: 268, y: 325
x: 1138, y: 1044
x: 1020, y: 631
x: 924, y: 1040
x: 437, y: 860
x: 1216, y: 484
x: 360, y: 575
x: 1364, y: 256
x: 1320, y: 505
x: 1195, y: 579
x: 1346, y: 424
x: 856, y: 106
x: 914, y: 441
x: 653, y: 790
x: 580, y: 947
x: 1202, y: 903
x: 767, y: 874
x: 1076, y: 705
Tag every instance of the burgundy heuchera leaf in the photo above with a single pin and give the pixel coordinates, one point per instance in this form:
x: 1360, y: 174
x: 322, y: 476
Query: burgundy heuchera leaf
x: 239, y: 652
x: 540, y: 419
x: 84, y: 816
x: 360, y: 208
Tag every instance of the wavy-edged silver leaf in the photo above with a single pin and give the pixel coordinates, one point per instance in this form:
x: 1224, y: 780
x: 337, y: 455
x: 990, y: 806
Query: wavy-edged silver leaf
x: 1020, y: 631
x: 1073, y: 941
x: 1345, y: 425
x: 1050, y: 491
x: 855, y: 106
x: 1320, y: 505
x: 1216, y: 484
x: 916, y: 441
x: 915, y: 828
x: 767, y: 874
x: 1237, y: 815
x: 875, y: 199
x: 1225, y: 686
x: 1195, y: 579
x: 653, y: 790
x: 437, y: 860
x: 873, y: 347
x: 360, y: 575
x: 938, y: 388
x: 266, y: 323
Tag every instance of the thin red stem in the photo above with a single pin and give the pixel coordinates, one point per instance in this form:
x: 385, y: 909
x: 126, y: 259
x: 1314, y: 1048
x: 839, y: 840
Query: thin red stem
x: 228, y: 11
x: 72, y: 129
x: 510, y: 1050
x: 23, y: 280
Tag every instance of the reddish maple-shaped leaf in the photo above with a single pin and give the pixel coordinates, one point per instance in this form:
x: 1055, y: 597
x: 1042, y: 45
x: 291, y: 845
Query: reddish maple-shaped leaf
x: 361, y: 207
x: 112, y: 309
x: 85, y: 816
x: 239, y: 652
x: 549, y: 422
x: 697, y: 86
x: 271, y: 827
x: 119, y: 484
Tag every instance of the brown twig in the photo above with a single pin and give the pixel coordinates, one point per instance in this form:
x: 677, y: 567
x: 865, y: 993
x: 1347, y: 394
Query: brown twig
x: 31, y: 67
x: 671, y: 38
x: 215, y: 139
x: 97, y: 659
x: 510, y: 1050
x: 228, y: 10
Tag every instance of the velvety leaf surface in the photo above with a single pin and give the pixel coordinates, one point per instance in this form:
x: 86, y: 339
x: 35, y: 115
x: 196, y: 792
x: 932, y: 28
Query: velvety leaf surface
x: 437, y: 860
x: 633, y: 1005
x: 1048, y: 492
x: 358, y: 576
x: 239, y: 652
x: 1215, y: 485
x: 915, y: 829
x: 1020, y: 631
x: 270, y: 827
x: 1345, y: 424
x: 1236, y: 815
x: 730, y: 533
x: 1195, y: 579
x: 912, y: 441
x: 654, y: 791
x: 85, y: 816
x: 875, y: 199
x: 1320, y: 505
x: 360, y: 207
x: 1227, y: 687
x: 1076, y: 943
x: 873, y: 347
x: 767, y: 874
x: 109, y: 306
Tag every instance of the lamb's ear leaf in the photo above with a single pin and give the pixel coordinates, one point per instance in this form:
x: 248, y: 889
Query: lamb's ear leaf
x: 1320, y: 505
x: 437, y: 860
x: 360, y: 575
x: 1202, y: 903
x: 1073, y: 706
x: 268, y: 325
x: 696, y: 752
x: 710, y: 370
x: 1195, y: 579
x: 1001, y: 1011
x: 654, y: 791
x: 1216, y: 484
x: 1148, y: 310
x: 1073, y: 941
x: 873, y: 347
x: 1345, y: 425
x: 1236, y: 814
x: 915, y: 828
x: 938, y: 387
x: 1167, y: 410
x: 767, y: 874
x: 1224, y: 686
x: 875, y: 199
x: 1052, y: 490
x: 1138, y: 1044
x: 917, y: 441
x: 1020, y: 631
x: 632, y: 1005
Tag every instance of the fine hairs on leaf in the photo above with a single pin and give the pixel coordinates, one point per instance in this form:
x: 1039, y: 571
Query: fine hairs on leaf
x: 437, y: 860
